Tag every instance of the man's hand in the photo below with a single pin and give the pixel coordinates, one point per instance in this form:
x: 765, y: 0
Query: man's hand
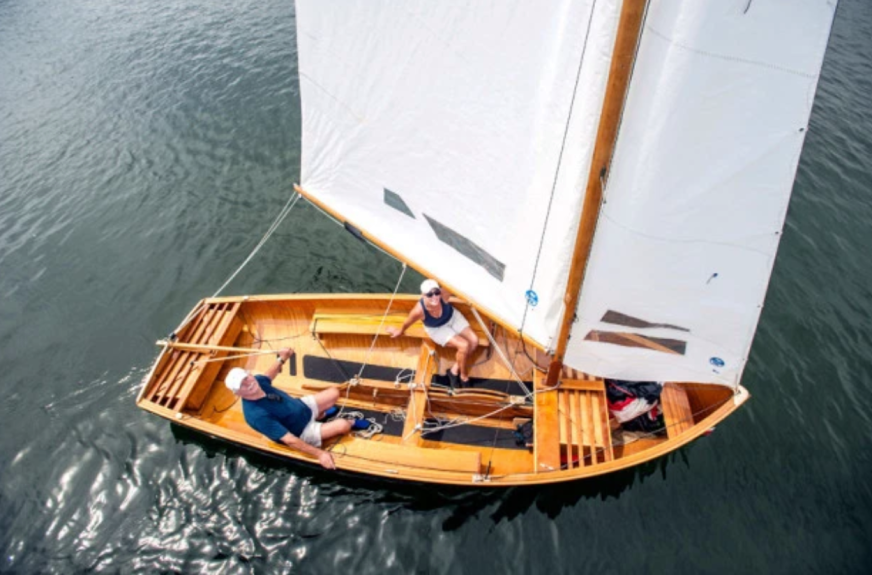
x: 285, y: 353
x: 394, y: 332
x: 326, y: 460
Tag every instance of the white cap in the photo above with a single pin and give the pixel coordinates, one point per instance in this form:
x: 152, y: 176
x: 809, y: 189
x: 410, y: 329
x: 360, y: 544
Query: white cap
x: 428, y: 285
x: 235, y: 378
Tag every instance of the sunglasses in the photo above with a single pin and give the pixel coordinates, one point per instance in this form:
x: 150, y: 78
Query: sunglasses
x: 433, y: 292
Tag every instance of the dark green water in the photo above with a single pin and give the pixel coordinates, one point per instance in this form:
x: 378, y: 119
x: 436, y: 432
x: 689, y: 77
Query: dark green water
x: 144, y: 149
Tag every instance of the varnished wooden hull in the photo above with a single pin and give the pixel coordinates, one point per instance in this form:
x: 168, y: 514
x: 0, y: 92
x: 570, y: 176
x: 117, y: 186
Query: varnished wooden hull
x: 333, y: 336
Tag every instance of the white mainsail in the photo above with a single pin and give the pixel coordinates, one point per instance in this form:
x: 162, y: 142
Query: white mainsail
x: 698, y: 189
x: 453, y: 130
x: 460, y: 134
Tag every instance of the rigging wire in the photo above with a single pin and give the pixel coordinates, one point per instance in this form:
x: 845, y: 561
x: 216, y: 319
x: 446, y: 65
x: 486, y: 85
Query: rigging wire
x: 283, y: 213
x: 384, y: 317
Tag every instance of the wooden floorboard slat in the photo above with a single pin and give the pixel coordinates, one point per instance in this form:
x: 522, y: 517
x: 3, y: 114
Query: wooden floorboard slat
x: 173, y: 376
x: 596, y: 417
x: 546, y: 427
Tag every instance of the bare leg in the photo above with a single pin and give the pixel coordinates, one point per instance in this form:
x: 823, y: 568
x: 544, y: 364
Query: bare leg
x: 472, y: 339
x: 333, y: 428
x: 325, y: 400
x: 462, y: 346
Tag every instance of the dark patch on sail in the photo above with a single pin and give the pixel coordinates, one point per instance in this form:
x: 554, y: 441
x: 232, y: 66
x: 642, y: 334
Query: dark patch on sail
x: 395, y: 201
x: 468, y: 249
x: 635, y: 340
x: 619, y: 318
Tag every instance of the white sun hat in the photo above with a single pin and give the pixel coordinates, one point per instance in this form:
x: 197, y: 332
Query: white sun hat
x: 235, y: 378
x: 428, y: 285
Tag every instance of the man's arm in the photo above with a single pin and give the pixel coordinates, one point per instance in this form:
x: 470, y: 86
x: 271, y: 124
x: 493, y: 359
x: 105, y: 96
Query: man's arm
x: 281, y: 357
x: 416, y: 314
x: 323, y: 457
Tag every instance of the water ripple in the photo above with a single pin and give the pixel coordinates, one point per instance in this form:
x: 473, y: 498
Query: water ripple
x: 145, y: 146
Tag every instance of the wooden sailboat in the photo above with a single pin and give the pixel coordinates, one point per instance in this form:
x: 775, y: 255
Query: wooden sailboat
x: 602, y: 184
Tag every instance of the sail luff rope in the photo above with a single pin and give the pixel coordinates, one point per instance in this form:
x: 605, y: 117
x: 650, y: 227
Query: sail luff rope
x: 559, y: 161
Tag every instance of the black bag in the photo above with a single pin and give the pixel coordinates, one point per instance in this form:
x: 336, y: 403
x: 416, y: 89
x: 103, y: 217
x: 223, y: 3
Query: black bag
x: 619, y: 391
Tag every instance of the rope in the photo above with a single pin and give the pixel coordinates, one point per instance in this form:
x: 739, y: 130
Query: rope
x: 559, y: 159
x: 384, y: 317
x: 502, y: 355
x: 250, y: 354
x: 289, y: 205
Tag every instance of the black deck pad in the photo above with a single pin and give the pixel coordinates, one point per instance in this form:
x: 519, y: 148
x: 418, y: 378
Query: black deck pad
x: 339, y: 371
x: 477, y: 435
x: 508, y: 386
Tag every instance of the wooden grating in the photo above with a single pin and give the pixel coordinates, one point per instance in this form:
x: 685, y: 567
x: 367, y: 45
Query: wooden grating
x: 175, y: 384
x: 585, y: 436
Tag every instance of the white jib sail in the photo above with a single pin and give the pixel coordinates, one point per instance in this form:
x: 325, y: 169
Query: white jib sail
x: 695, y: 202
x: 439, y: 128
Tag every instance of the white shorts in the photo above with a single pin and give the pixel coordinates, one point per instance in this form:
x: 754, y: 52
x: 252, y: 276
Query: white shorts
x: 443, y: 333
x: 312, y: 433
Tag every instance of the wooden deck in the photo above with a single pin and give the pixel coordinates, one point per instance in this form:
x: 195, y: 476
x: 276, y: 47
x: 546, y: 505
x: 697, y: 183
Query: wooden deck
x: 572, y: 435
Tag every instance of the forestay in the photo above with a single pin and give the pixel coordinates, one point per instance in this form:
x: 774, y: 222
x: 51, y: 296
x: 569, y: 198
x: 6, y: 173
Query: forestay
x: 439, y: 128
x: 695, y: 201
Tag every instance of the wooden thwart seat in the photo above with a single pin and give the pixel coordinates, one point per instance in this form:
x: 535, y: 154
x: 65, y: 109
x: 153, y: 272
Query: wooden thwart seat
x: 677, y: 413
x: 368, y: 324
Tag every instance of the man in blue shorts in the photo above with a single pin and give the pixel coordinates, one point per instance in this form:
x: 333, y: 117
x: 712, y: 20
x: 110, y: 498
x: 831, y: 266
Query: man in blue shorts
x: 285, y: 419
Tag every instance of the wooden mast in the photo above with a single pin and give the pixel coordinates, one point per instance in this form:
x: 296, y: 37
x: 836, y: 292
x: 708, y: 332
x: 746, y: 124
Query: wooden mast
x: 626, y: 41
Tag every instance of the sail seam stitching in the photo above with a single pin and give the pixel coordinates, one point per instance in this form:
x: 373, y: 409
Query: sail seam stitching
x: 708, y: 54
